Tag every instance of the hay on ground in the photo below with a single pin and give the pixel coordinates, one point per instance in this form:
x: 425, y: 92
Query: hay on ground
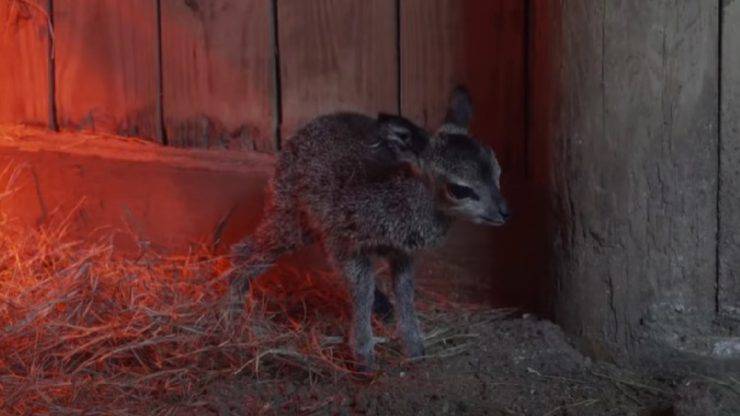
x: 83, y: 330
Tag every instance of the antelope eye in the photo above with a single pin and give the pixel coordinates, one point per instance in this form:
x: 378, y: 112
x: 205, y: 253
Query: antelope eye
x: 461, y: 192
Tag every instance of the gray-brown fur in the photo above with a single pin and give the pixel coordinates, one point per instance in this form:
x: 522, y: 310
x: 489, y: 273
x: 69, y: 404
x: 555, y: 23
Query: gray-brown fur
x: 372, y: 188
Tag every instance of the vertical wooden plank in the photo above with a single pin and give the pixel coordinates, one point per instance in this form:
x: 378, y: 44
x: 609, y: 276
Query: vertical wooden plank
x: 218, y: 73
x: 729, y: 208
x: 24, y: 62
x: 336, y: 55
x: 478, y: 43
x: 107, y: 66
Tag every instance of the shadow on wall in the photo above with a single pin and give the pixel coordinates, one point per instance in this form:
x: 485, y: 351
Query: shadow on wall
x: 509, y: 266
x: 504, y: 266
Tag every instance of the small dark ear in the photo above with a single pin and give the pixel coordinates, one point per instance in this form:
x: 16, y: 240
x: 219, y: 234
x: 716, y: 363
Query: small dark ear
x: 460, y: 111
x: 395, y: 128
x: 403, y: 133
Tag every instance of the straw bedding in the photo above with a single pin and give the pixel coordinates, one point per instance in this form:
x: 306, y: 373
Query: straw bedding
x: 84, y: 330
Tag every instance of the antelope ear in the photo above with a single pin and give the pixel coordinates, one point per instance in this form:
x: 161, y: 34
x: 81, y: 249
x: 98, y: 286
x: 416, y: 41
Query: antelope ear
x: 459, y: 112
x: 403, y: 133
x: 395, y: 129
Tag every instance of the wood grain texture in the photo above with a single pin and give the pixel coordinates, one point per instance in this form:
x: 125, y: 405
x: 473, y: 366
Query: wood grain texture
x: 729, y: 209
x: 171, y: 198
x: 218, y: 73
x: 634, y: 170
x: 336, y: 55
x: 477, y: 43
x: 658, y: 162
x: 24, y: 62
x: 106, y: 66
x: 579, y: 288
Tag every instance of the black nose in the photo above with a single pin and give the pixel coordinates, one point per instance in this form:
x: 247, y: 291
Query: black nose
x: 504, y: 212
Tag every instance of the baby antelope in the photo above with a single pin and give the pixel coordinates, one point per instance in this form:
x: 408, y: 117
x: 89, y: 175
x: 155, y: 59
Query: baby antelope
x: 372, y: 188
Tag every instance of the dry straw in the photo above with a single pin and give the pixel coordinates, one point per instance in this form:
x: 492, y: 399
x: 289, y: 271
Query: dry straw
x: 83, y: 330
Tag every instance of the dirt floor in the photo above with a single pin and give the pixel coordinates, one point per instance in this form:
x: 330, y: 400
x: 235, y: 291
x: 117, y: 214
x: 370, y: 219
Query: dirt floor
x: 503, y: 365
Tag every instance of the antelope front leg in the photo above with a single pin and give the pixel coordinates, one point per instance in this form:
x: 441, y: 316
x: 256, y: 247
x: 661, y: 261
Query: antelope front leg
x: 403, y: 285
x: 359, y: 276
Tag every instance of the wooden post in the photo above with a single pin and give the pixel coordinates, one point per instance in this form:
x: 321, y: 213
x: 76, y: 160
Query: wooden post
x: 632, y: 163
x: 729, y: 208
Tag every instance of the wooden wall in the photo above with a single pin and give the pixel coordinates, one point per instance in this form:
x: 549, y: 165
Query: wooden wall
x: 217, y: 72
x: 24, y: 63
x: 246, y: 74
x: 480, y: 44
x: 106, y: 66
x: 336, y: 54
